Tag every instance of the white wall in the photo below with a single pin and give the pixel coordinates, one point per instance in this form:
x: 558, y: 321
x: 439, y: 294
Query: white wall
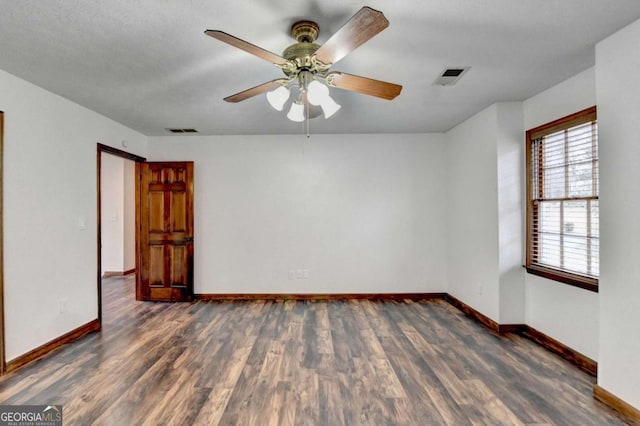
x: 484, y: 199
x: 511, y: 193
x: 572, y: 95
x: 129, y: 215
x: 50, y: 211
x: 566, y: 313
x: 472, y: 212
x: 618, y: 93
x: 112, y: 205
x: 118, y: 214
x: 363, y: 213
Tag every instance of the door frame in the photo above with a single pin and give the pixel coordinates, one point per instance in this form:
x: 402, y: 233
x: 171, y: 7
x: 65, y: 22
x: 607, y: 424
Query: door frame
x: 3, y: 361
x: 128, y: 156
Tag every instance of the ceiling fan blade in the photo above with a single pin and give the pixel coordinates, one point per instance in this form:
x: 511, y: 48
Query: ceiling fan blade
x: 247, y: 47
x: 362, y: 26
x: 254, y: 91
x: 367, y: 86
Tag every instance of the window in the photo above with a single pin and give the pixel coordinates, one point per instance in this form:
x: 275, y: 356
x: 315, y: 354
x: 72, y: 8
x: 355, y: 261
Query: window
x: 563, y: 237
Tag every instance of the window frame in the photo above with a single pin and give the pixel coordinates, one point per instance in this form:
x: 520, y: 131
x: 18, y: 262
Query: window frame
x: 563, y: 276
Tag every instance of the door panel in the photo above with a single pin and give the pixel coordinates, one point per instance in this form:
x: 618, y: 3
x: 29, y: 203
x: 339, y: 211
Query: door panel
x: 179, y: 216
x: 156, y: 265
x: 156, y: 212
x: 165, y: 253
x: 179, y: 256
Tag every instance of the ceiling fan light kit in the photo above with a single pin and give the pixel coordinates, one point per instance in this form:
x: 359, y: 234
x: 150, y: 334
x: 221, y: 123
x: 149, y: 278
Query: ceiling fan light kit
x: 318, y: 94
x: 278, y: 97
x: 307, y: 64
x: 296, y: 113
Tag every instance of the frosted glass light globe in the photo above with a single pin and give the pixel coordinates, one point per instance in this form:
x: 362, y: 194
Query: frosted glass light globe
x: 278, y: 97
x: 296, y: 113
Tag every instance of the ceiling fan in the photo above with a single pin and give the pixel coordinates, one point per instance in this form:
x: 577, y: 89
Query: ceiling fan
x: 307, y: 66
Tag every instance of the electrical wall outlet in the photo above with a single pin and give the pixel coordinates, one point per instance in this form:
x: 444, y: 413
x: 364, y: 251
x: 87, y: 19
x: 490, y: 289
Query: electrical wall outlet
x: 298, y: 274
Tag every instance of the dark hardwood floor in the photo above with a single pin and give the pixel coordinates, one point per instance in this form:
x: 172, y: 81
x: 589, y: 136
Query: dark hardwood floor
x: 302, y: 362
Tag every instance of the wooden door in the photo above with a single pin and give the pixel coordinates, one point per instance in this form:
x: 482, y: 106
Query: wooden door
x: 165, y: 222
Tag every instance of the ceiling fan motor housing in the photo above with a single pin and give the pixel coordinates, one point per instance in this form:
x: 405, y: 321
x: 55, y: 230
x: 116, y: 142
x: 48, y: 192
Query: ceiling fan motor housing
x: 301, y: 53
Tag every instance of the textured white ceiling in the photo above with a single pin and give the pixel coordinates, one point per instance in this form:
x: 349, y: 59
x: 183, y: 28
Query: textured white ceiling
x: 148, y: 65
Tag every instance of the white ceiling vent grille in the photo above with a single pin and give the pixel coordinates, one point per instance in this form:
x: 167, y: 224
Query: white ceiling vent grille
x: 450, y: 76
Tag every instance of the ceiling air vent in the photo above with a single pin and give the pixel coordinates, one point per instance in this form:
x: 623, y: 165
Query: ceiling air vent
x: 450, y: 76
x: 182, y: 130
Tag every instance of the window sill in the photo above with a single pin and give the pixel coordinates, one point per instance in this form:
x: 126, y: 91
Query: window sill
x: 586, y: 283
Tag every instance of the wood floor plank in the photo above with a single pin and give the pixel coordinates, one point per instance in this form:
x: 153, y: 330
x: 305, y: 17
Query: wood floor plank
x: 307, y: 397
x: 330, y: 401
x: 500, y: 414
x: 143, y: 392
x: 310, y: 362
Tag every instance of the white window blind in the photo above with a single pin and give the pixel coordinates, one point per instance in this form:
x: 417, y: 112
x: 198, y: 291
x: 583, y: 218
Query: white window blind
x: 564, y: 214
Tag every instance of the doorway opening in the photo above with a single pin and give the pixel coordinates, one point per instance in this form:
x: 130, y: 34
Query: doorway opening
x: 116, y: 215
